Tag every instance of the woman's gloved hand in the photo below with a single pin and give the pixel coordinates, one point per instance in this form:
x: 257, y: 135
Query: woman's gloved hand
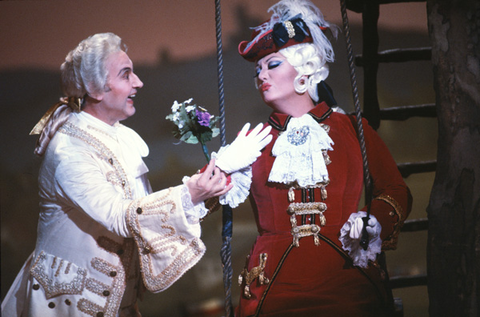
x: 244, y: 150
x: 372, y: 228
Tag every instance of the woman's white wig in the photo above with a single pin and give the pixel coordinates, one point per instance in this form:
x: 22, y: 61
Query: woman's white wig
x: 310, y: 66
x: 309, y: 59
x: 84, y: 71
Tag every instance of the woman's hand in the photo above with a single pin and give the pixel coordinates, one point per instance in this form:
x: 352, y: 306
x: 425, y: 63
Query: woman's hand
x: 211, y: 183
x: 245, y: 149
x: 372, y: 228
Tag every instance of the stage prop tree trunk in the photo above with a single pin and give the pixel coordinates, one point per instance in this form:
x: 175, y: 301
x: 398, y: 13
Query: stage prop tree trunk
x: 453, y: 257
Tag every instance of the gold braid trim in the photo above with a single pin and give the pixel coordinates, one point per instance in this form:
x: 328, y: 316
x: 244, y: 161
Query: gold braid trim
x: 390, y: 242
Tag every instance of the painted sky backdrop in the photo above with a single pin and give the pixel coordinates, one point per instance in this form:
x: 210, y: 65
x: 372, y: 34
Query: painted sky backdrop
x: 37, y: 33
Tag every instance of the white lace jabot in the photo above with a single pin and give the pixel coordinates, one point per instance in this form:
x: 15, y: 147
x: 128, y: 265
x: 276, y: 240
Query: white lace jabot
x: 298, y: 153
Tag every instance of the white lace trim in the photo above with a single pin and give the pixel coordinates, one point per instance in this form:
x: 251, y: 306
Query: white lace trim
x: 193, y: 213
x: 360, y: 256
x: 298, y: 153
x: 241, y: 181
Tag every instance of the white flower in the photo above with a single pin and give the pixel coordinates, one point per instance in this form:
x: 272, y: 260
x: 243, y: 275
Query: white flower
x: 181, y: 124
x: 189, y: 108
x: 175, y: 106
x: 176, y: 115
x: 188, y: 101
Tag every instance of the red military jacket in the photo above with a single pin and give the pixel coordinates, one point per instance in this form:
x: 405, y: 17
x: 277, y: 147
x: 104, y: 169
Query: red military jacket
x: 314, y: 279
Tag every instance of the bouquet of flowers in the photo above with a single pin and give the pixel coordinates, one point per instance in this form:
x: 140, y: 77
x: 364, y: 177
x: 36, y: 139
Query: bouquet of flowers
x: 193, y: 124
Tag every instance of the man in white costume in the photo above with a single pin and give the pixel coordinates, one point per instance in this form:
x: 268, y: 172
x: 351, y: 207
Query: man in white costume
x: 103, y: 236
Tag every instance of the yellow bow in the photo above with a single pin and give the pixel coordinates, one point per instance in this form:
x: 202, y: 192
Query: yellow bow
x: 74, y: 103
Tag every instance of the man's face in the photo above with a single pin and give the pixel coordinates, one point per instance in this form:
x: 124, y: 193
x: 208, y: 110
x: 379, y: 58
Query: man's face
x: 122, y: 85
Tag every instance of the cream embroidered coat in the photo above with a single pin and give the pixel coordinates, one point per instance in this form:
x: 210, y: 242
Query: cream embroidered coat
x: 102, y: 236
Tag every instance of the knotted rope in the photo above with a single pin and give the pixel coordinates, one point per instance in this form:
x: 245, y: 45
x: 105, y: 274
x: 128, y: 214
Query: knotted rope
x: 358, y: 113
x: 226, y: 250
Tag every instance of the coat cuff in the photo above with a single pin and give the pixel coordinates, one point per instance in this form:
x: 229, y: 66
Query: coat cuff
x: 168, y: 245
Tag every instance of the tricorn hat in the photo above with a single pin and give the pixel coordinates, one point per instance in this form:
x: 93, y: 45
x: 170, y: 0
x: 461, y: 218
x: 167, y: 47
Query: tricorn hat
x: 292, y: 22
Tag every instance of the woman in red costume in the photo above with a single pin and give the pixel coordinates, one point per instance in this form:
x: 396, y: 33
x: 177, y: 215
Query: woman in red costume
x: 307, y: 184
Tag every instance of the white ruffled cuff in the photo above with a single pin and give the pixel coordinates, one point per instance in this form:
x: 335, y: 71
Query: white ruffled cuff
x: 193, y: 213
x: 360, y: 256
x: 241, y: 181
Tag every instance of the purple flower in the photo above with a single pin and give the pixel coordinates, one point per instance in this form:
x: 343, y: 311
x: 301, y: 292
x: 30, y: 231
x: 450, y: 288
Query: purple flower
x: 203, y: 118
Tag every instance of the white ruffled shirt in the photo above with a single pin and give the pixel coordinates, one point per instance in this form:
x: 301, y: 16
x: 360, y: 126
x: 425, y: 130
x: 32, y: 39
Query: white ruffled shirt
x: 298, y: 153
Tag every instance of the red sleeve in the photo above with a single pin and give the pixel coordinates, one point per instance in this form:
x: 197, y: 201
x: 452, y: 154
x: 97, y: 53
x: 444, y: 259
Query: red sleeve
x: 392, y: 201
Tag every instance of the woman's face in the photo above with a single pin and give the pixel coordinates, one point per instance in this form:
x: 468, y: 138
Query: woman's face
x: 275, y: 76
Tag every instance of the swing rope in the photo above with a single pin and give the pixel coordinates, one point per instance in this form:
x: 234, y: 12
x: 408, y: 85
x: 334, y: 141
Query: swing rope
x: 226, y: 250
x: 358, y: 113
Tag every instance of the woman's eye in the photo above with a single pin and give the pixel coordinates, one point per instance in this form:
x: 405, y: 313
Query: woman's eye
x: 257, y: 72
x: 274, y: 64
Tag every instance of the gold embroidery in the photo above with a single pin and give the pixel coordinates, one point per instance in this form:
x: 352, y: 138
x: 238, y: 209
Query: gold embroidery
x: 321, y: 185
x: 166, y: 240
x: 59, y: 268
x: 255, y: 272
x: 390, y: 242
x: 73, y: 284
x: 102, y: 151
x: 90, y: 308
x: 300, y: 209
x: 118, y: 273
x: 96, y: 287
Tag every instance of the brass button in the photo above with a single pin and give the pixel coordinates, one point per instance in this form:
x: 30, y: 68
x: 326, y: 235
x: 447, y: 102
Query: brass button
x: 113, y: 273
x: 36, y: 287
x: 68, y: 302
x: 139, y: 210
x: 147, y: 249
x: 110, y: 161
x: 106, y: 293
x: 51, y: 305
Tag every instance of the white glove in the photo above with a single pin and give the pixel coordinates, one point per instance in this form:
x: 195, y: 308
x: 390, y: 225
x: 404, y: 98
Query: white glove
x: 244, y: 150
x: 373, y: 228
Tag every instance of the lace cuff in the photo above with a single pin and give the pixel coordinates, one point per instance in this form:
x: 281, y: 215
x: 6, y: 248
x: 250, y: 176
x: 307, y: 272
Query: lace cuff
x: 241, y: 181
x: 360, y: 256
x: 193, y: 212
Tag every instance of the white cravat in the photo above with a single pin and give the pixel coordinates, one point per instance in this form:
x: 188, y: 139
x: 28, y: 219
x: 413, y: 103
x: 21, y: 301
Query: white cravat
x: 298, y: 153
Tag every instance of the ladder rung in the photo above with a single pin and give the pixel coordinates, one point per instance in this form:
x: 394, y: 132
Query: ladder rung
x: 408, y: 281
x: 357, y: 5
x: 397, y: 55
x: 406, y: 169
x: 405, y: 112
x: 413, y: 225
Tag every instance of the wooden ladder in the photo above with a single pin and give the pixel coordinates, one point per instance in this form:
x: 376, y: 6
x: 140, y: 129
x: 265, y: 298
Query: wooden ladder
x: 369, y: 60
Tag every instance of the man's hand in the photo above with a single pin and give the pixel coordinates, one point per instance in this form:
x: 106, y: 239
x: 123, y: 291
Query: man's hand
x: 211, y: 183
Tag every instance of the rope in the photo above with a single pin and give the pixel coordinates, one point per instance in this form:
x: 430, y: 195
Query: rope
x: 358, y: 113
x: 226, y: 250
